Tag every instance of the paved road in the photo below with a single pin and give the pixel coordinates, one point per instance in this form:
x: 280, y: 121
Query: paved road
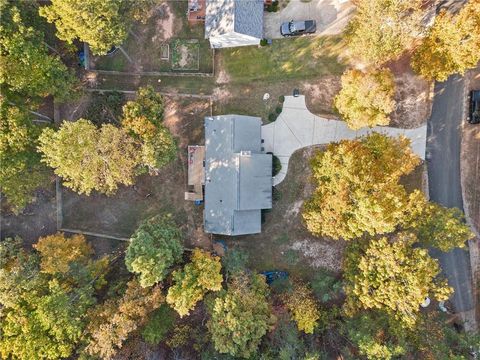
x: 443, y: 147
x: 296, y: 127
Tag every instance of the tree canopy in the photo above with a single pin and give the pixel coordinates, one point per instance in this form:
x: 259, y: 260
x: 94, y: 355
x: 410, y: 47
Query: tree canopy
x: 44, y: 312
x: 21, y: 171
x: 111, y: 322
x: 303, y: 307
x: 57, y: 252
x: 366, y: 98
x: 452, y: 44
x: 382, y: 29
x: 26, y: 67
x: 143, y: 119
x: 100, y: 23
x: 191, y: 284
x: 436, y: 225
x: 87, y: 158
x: 358, y: 188
x: 393, y: 276
x: 240, y: 316
x: 154, y: 248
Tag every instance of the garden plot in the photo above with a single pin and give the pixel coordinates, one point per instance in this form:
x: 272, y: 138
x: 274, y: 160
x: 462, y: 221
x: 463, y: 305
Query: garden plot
x: 164, y: 42
x: 185, y: 54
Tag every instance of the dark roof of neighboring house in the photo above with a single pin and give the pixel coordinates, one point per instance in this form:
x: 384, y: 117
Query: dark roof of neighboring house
x: 240, y: 16
x: 238, y: 176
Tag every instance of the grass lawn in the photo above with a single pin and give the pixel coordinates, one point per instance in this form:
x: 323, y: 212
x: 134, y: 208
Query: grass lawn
x: 285, y: 59
x: 174, y: 84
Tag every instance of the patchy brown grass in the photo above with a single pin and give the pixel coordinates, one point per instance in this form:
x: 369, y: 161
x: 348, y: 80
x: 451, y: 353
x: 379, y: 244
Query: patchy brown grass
x: 413, y: 95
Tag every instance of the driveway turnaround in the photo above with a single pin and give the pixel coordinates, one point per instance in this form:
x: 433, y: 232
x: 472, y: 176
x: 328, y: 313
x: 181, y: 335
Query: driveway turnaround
x: 444, y: 139
x: 296, y: 128
x: 331, y: 16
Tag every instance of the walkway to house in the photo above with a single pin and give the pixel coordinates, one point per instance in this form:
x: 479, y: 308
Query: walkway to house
x: 296, y: 127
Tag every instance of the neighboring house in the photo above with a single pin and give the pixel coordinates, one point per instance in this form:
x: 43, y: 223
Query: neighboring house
x: 230, y: 23
x: 238, y: 175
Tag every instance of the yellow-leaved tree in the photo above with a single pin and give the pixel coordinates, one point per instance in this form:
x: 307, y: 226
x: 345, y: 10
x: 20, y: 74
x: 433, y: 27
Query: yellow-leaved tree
x: 382, y: 29
x: 301, y: 303
x: 366, y: 98
x: 452, y: 44
x: 191, y: 284
x: 393, y: 276
x: 57, y: 252
x: 357, y: 187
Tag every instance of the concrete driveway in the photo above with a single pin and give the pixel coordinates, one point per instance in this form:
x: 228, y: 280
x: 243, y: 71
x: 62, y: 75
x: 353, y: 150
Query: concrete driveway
x: 296, y: 127
x: 331, y: 15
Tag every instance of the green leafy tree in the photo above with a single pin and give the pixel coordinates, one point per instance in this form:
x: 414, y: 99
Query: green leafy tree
x: 87, y: 158
x: 374, y: 336
x: 366, y: 98
x: 382, y: 29
x: 154, y: 248
x: 143, y: 119
x: 435, y: 338
x: 285, y: 343
x: 235, y: 261
x: 303, y: 307
x: 358, y: 188
x: 100, y: 23
x: 191, y: 284
x: 159, y: 325
x: 111, y: 322
x: 26, y: 67
x: 392, y: 276
x: 240, y: 316
x: 435, y: 225
x: 21, y: 172
x: 452, y: 44
x: 44, y: 313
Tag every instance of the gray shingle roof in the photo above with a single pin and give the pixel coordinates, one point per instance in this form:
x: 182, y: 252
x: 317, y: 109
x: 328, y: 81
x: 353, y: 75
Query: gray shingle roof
x: 238, y: 176
x: 240, y: 16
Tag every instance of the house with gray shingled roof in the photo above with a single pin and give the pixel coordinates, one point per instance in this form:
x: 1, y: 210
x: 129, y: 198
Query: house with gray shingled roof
x: 230, y: 23
x: 238, y: 175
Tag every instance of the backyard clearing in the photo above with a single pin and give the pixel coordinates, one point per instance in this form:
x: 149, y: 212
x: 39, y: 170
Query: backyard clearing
x: 120, y: 214
x: 470, y: 160
x: 148, y: 47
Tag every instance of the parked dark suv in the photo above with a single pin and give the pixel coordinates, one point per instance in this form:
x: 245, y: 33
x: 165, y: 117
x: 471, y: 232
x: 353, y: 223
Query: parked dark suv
x: 474, y: 108
x: 293, y: 28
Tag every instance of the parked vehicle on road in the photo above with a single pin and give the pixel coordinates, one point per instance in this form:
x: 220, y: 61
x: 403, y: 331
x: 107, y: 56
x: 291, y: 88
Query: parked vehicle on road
x: 474, y: 107
x: 295, y: 28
